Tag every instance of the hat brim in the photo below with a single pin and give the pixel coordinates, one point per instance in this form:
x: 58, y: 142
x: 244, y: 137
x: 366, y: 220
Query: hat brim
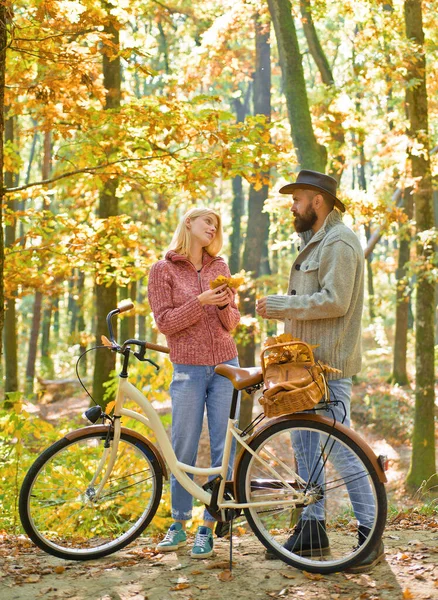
x: 290, y: 187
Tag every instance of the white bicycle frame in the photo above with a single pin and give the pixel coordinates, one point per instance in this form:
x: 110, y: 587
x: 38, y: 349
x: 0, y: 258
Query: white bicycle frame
x: 127, y: 390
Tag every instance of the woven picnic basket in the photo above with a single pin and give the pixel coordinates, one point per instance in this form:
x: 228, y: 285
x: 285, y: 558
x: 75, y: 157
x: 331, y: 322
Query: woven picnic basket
x: 291, y: 386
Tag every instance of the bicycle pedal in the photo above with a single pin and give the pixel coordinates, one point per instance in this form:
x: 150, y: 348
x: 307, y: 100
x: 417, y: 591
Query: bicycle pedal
x: 210, y: 485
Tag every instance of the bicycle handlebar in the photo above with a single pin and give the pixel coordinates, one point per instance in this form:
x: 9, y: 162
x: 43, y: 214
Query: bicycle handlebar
x: 124, y: 307
x: 157, y: 347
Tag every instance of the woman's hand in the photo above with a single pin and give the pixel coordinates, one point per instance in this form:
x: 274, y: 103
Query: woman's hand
x: 217, y: 297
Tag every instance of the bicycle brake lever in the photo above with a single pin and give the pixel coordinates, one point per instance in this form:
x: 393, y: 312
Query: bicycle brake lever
x: 140, y: 355
x: 153, y: 363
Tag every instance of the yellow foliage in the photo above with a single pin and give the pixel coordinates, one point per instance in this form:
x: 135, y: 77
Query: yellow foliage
x: 292, y: 353
x: 233, y: 282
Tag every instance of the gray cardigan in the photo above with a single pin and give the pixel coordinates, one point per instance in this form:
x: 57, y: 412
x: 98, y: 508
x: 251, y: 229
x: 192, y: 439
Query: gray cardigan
x: 325, y: 295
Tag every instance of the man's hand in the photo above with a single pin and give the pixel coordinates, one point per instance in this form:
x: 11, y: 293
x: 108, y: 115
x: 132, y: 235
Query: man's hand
x: 261, y: 307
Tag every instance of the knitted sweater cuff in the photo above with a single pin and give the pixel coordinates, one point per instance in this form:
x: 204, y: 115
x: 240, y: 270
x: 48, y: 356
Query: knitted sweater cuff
x: 276, y: 306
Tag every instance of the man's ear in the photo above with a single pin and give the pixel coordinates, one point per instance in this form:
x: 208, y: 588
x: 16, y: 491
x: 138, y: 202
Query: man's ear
x: 318, y: 201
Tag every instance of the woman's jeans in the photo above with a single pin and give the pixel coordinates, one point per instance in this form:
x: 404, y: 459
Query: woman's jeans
x: 193, y: 388
x: 307, y: 447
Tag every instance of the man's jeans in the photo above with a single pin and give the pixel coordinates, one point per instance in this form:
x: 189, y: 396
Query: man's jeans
x: 193, y: 388
x: 307, y: 448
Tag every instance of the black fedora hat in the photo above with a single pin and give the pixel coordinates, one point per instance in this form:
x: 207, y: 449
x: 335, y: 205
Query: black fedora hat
x: 313, y: 180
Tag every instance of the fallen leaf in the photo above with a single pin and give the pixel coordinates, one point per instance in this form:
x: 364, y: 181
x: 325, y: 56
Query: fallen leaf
x: 407, y: 594
x: 313, y: 576
x: 366, y: 580
x: 223, y: 564
x: 32, y: 578
x: 278, y: 594
x: 225, y: 576
x: 287, y: 575
x: 403, y: 556
x: 59, y: 569
x: 180, y: 586
x: 203, y: 587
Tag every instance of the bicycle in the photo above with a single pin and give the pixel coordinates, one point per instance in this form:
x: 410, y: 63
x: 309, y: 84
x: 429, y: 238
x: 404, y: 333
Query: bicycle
x: 95, y: 490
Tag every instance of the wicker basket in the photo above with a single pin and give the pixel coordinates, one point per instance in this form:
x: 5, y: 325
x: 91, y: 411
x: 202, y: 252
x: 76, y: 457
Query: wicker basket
x: 291, y: 386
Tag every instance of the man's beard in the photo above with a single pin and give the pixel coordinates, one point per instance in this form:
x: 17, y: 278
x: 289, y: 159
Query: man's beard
x: 306, y: 221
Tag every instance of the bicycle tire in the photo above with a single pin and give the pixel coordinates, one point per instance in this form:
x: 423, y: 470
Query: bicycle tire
x: 56, y: 506
x: 273, y: 526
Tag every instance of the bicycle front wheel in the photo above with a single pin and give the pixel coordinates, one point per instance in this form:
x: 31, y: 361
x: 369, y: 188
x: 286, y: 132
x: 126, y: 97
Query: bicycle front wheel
x: 57, y: 506
x: 327, y: 506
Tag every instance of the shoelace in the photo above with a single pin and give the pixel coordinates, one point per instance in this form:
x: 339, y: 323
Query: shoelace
x: 170, y: 535
x: 201, y: 539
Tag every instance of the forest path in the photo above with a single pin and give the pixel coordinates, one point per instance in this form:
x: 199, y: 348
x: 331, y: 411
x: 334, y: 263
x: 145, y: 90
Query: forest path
x: 139, y: 573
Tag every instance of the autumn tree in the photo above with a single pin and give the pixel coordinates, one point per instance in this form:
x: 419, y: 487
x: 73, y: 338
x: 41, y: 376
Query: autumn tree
x: 422, y: 466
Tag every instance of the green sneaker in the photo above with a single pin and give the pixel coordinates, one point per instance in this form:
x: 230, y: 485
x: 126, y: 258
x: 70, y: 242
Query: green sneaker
x: 203, y: 546
x: 175, y: 538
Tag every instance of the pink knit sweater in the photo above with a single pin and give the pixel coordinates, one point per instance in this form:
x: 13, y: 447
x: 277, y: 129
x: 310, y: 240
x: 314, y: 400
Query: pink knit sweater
x: 196, y: 334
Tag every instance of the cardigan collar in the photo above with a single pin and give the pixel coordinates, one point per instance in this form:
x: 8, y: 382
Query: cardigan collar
x: 175, y: 257
x: 332, y: 219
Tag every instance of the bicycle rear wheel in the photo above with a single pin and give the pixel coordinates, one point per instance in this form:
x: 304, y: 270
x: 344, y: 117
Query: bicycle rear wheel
x: 57, y: 507
x: 336, y: 480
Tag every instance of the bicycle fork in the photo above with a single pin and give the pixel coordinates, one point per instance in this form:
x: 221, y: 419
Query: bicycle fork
x: 109, y: 456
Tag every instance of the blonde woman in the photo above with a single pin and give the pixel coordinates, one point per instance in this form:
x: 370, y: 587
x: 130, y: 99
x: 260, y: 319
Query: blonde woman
x: 196, y: 321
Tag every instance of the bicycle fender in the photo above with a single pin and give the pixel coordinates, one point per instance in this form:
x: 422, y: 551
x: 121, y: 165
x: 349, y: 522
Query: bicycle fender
x: 366, y: 449
x: 72, y: 435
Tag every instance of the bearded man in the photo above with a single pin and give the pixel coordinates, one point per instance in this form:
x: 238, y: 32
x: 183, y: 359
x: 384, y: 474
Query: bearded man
x: 323, y: 306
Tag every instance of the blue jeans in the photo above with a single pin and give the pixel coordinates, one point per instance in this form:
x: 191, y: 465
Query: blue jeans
x: 194, y: 388
x: 307, y: 448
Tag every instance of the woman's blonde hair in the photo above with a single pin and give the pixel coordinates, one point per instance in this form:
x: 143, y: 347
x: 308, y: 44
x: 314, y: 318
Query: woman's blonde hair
x: 182, y: 237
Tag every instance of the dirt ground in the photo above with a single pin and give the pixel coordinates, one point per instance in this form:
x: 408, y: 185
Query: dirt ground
x: 139, y: 573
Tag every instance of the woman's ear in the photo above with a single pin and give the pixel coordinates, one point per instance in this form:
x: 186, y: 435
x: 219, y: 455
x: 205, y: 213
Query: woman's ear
x: 188, y: 224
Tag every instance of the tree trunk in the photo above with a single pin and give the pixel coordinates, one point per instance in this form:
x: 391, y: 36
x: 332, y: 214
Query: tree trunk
x: 33, y: 342
x: 422, y: 466
x: 46, y: 360
x: 127, y: 322
x: 258, y: 221
x: 399, y: 373
x: 106, y: 296
x: 72, y: 305
x: 362, y: 180
x: 310, y: 154
x: 3, y: 45
x: 370, y: 281
x: 314, y: 45
x: 36, y: 317
x: 141, y: 318
x: 242, y: 109
x: 10, y: 325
